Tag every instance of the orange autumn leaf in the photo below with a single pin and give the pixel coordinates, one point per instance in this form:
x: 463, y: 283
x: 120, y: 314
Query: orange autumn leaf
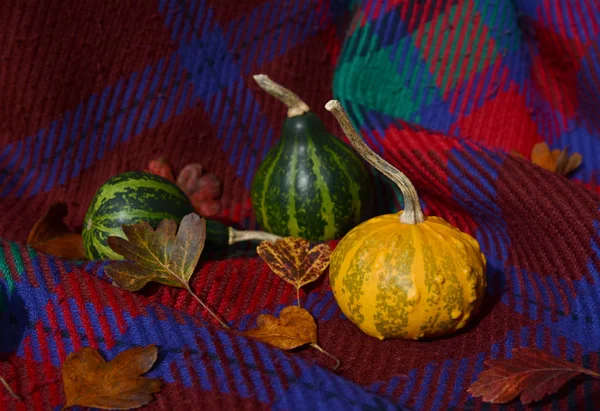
x: 557, y: 161
x: 530, y: 374
x: 294, y: 261
x: 51, y: 235
x: 90, y: 381
x: 294, y: 328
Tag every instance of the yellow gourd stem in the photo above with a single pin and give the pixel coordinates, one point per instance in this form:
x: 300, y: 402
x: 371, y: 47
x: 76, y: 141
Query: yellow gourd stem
x: 413, y: 214
x: 296, y: 107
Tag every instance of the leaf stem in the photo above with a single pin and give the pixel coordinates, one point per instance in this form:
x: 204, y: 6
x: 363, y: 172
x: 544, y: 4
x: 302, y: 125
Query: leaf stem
x: 591, y: 373
x: 337, y: 361
x: 298, y: 295
x: 296, y: 107
x: 206, y: 307
x: 10, y: 391
x: 413, y: 214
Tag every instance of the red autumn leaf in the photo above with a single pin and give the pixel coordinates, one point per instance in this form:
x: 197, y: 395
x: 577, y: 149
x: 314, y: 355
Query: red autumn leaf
x: 188, y: 178
x: 209, y: 187
x: 202, y: 190
x: 530, y: 373
x: 160, y: 166
x: 206, y: 208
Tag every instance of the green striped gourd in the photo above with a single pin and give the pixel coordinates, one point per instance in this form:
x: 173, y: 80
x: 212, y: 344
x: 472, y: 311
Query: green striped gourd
x: 311, y: 184
x: 134, y: 196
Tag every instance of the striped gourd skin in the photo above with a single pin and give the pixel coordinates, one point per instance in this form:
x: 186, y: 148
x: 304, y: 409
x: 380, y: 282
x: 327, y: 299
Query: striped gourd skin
x: 311, y: 184
x: 396, y: 280
x: 129, y: 198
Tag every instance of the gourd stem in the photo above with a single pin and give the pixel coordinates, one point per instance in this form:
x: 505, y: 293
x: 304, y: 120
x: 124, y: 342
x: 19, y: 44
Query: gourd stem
x: 236, y: 236
x: 337, y: 361
x: 413, y: 214
x: 296, y: 107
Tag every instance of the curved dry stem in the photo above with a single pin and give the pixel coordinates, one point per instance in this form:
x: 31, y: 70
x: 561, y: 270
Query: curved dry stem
x: 337, y: 361
x: 413, y: 214
x: 206, y: 307
x: 10, y: 391
x: 296, y: 107
x: 236, y: 236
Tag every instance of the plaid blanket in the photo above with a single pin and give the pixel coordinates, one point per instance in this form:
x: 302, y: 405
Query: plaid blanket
x: 443, y: 89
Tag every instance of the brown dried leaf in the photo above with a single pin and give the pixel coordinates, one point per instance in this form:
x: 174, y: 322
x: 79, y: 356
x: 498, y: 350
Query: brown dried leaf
x: 90, y: 381
x: 292, y: 259
x: 530, y: 373
x: 294, y: 328
x: 167, y: 255
x: 51, y: 235
x: 558, y: 161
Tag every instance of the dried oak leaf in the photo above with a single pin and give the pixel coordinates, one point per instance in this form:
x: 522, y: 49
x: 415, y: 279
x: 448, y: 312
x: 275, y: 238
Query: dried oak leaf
x: 51, y: 235
x: 89, y: 381
x: 557, y: 161
x: 294, y: 328
x: 294, y: 261
x: 167, y: 255
x: 530, y: 373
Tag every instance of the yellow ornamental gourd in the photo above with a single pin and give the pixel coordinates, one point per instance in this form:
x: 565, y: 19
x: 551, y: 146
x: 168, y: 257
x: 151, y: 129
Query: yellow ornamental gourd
x: 405, y: 275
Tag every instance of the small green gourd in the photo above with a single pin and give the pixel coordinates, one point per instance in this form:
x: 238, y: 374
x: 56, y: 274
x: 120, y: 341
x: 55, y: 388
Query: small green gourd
x: 135, y: 196
x: 310, y: 184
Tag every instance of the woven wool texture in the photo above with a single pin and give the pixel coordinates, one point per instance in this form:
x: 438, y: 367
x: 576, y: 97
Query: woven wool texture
x: 443, y: 89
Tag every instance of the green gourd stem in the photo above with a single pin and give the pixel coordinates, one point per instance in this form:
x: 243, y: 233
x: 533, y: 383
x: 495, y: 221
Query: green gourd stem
x: 337, y: 361
x: 236, y: 236
x: 413, y: 214
x: 296, y: 107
